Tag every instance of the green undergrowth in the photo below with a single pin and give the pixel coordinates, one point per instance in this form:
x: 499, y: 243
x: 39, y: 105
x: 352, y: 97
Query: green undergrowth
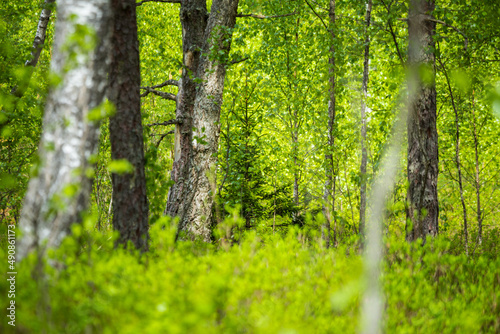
x: 277, y: 284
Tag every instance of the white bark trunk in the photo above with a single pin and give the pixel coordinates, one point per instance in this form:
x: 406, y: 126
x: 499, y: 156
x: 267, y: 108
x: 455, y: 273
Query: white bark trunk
x: 59, y: 192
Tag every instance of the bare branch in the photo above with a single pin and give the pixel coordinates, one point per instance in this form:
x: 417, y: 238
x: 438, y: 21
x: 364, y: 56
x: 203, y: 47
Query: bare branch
x: 162, y: 136
x: 169, y: 122
x: 238, y: 61
x: 260, y: 16
x: 169, y: 1
x: 165, y: 95
x: 166, y: 83
x: 319, y: 17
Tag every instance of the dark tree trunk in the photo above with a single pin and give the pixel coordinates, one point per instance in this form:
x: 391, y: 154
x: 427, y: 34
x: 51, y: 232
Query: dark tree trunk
x: 364, y: 155
x: 193, y: 16
x: 198, y: 197
x: 130, y: 205
x: 60, y: 192
x: 423, y: 210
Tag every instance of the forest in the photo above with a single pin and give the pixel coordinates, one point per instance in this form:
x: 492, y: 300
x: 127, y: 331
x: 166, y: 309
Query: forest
x: 250, y: 166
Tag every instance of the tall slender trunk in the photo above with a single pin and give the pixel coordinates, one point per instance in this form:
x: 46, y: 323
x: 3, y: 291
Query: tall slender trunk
x: 457, y: 159
x: 59, y: 193
x: 329, y: 182
x: 38, y: 44
x: 423, y: 209
x: 130, y: 204
x: 364, y: 155
x: 193, y: 16
x: 478, y: 181
x: 199, y: 194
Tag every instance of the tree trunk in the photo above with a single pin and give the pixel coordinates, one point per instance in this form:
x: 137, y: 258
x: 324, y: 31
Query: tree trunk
x: 193, y: 16
x: 130, y: 204
x: 38, y: 44
x: 478, y: 181
x: 423, y: 210
x: 457, y: 159
x: 198, y: 195
x: 60, y: 191
x: 364, y: 155
x: 329, y: 182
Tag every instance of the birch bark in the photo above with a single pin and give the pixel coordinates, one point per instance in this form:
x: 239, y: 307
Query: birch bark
x: 60, y: 191
x: 423, y: 210
x: 364, y: 155
x: 193, y: 16
x: 38, y: 44
x: 329, y: 207
x: 199, y: 195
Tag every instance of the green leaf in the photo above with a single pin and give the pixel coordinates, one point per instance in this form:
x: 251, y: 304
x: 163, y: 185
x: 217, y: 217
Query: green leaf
x: 121, y: 166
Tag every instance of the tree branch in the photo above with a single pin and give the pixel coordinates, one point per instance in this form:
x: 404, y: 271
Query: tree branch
x: 166, y: 83
x: 238, y: 61
x: 169, y: 122
x: 169, y: 1
x: 167, y: 96
x: 319, y: 17
x: 260, y: 16
x: 466, y: 40
x: 162, y: 135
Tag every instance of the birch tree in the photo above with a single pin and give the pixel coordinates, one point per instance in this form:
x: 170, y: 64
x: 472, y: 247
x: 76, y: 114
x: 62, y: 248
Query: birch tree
x: 59, y: 191
x: 423, y: 207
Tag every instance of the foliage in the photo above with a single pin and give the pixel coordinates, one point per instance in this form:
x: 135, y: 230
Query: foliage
x: 274, y: 285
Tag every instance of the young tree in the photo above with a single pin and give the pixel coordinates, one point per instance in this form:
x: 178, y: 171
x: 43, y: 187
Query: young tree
x: 364, y: 155
x: 59, y: 192
x: 38, y: 43
x: 130, y: 204
x: 423, y: 210
x: 329, y: 206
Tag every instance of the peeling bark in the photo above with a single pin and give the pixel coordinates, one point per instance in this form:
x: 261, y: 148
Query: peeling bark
x: 423, y: 210
x: 198, y: 198
x: 60, y: 191
x: 130, y: 204
x: 193, y: 16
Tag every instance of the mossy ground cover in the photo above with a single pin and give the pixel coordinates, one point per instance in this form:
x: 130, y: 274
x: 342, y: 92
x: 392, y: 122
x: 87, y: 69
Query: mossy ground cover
x: 262, y: 284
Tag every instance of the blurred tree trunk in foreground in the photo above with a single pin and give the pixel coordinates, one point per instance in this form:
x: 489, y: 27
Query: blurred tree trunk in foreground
x: 60, y: 190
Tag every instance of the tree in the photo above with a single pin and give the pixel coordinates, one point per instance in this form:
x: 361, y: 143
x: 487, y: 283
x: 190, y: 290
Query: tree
x: 38, y: 44
x: 364, y: 155
x: 130, y: 204
x: 192, y: 200
x: 59, y: 192
x: 423, y: 210
x: 193, y: 16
